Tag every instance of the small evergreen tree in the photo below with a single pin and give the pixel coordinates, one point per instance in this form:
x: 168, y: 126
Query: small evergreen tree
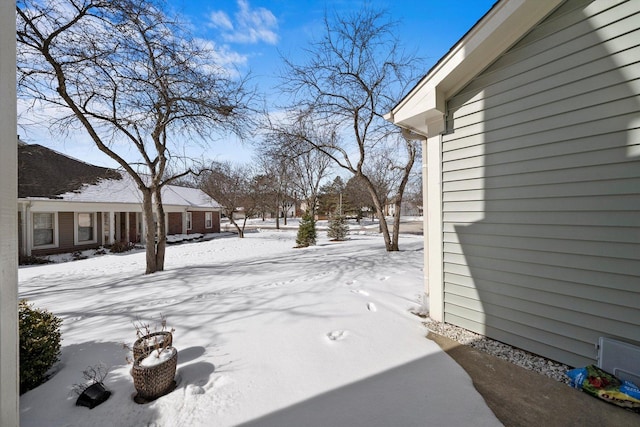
x: 307, y: 231
x: 338, y: 228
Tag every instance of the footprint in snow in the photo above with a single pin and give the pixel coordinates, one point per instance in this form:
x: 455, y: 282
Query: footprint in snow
x: 195, y: 389
x: 336, y: 335
x: 361, y: 292
x: 382, y: 279
x: 350, y: 282
x: 371, y: 307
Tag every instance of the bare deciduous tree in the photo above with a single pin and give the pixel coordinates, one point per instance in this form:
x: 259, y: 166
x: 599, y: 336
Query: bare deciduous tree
x: 306, y: 168
x: 134, y: 79
x: 275, y: 176
x: 236, y: 188
x: 354, y: 75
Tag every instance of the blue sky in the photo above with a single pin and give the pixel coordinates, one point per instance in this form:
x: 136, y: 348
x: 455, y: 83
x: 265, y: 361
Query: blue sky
x: 253, y: 35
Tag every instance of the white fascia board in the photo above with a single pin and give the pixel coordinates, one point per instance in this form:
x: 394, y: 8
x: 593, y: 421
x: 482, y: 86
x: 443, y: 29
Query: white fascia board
x: 506, y: 23
x: 203, y: 209
x: 184, y: 208
x: 52, y: 205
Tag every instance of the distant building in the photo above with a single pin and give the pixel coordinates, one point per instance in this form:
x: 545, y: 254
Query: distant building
x: 65, y: 205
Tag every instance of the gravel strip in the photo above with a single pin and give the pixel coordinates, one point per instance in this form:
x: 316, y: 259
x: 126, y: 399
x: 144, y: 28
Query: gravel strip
x: 519, y: 357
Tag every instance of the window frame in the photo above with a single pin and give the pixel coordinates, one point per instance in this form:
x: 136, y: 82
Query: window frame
x: 54, y: 225
x: 76, y: 229
x: 208, y: 219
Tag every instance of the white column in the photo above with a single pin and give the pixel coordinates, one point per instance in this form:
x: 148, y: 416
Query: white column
x: 425, y: 216
x: 139, y: 229
x: 24, y: 231
x: 434, y: 285
x: 9, y: 409
x: 127, y: 230
x: 112, y: 227
x: 184, y: 222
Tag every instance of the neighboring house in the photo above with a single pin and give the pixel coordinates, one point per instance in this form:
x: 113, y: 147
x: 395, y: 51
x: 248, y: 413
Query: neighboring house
x: 65, y: 205
x: 407, y: 208
x: 532, y: 128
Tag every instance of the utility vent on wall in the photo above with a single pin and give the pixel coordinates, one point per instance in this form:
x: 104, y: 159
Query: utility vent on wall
x: 620, y: 359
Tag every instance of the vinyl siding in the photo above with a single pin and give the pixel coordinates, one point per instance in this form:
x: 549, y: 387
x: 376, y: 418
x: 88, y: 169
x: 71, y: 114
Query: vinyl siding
x: 541, y: 187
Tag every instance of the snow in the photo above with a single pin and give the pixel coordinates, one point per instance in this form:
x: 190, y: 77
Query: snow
x: 125, y: 190
x: 156, y: 357
x: 267, y: 335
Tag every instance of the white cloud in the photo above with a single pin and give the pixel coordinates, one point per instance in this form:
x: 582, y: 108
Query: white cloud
x: 221, y: 20
x: 252, y: 25
x: 223, y: 58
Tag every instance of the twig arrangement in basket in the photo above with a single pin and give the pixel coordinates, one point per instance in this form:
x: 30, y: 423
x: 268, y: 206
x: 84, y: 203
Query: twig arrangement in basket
x: 151, y: 341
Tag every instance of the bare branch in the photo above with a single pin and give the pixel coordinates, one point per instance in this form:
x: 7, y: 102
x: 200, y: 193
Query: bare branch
x: 352, y: 77
x: 131, y: 76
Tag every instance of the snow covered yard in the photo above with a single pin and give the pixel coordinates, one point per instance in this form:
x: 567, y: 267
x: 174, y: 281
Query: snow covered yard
x: 267, y: 335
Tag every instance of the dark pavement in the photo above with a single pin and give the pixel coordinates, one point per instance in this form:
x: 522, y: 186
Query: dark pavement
x: 522, y: 398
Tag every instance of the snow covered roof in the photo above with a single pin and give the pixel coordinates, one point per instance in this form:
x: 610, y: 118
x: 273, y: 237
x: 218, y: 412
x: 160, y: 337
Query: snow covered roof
x: 48, y: 175
x: 43, y: 172
x: 194, y: 197
x: 125, y: 190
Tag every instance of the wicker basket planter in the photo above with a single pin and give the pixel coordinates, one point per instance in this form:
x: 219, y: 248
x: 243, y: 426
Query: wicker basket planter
x: 152, y: 382
x: 146, y: 344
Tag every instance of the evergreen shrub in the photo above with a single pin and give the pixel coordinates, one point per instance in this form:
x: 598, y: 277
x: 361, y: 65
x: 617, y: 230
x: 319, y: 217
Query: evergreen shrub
x: 40, y: 339
x: 338, y: 228
x: 120, y: 247
x: 306, y: 231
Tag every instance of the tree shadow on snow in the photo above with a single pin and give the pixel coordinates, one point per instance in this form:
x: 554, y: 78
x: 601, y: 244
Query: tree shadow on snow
x: 53, y: 403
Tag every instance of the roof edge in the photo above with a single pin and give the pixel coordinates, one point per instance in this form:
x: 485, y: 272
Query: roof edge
x: 498, y: 30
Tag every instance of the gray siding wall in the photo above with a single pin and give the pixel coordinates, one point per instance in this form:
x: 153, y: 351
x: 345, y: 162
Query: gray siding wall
x: 541, y: 187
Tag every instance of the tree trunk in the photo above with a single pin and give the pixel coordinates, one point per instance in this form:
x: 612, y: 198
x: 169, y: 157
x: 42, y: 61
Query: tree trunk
x: 396, y: 226
x: 244, y: 224
x: 235, y: 224
x: 384, y: 227
x: 147, y: 217
x: 162, y: 232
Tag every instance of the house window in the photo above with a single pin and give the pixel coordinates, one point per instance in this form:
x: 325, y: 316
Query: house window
x: 189, y: 220
x: 85, y: 228
x: 208, y: 220
x: 44, y: 229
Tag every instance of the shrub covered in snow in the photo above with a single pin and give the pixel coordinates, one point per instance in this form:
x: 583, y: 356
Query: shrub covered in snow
x: 39, y: 344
